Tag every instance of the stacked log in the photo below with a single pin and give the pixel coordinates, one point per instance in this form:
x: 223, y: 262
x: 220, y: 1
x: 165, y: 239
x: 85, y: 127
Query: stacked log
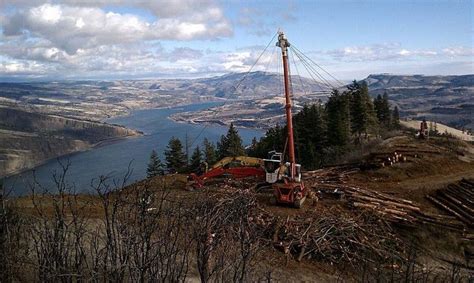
x: 391, y: 208
x: 328, y: 175
x: 383, y: 159
x: 457, y: 199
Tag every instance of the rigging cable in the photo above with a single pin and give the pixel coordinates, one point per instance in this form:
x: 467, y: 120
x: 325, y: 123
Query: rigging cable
x: 314, y: 70
x: 337, y: 80
x: 235, y: 87
x: 308, y: 66
x: 312, y: 74
x: 299, y: 76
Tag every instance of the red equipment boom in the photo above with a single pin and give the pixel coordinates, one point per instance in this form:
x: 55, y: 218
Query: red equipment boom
x: 292, y: 190
x: 238, y: 172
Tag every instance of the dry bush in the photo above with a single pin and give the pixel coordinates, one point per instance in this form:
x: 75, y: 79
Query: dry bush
x: 227, y: 239
x: 12, y: 243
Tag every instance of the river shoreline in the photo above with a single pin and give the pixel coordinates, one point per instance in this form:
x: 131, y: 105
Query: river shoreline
x: 114, y: 157
x: 92, y: 146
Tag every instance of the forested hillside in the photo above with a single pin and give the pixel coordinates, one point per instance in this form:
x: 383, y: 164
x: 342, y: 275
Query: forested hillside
x: 323, y: 133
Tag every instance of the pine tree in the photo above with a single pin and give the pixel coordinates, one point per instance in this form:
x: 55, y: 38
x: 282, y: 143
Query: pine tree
x: 155, y: 167
x: 382, y: 109
x: 338, y: 119
x: 175, y: 157
x: 274, y: 139
x: 310, y: 135
x: 378, y: 107
x: 221, y: 147
x: 386, y: 112
x: 395, y: 118
x: 363, y: 117
x: 196, y: 159
x: 210, y: 154
x: 252, y: 150
x: 231, y: 144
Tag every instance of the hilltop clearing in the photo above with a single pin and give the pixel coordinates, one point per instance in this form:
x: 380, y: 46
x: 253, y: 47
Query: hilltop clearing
x: 442, y: 129
x: 360, y: 224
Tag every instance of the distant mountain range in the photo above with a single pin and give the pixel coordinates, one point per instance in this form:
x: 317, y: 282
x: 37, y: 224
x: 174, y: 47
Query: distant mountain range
x: 257, y: 84
x: 421, y: 85
x: 445, y: 99
x: 41, y: 120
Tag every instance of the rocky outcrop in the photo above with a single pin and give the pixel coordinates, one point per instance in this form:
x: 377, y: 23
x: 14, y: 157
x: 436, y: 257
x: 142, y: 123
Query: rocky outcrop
x: 28, y: 139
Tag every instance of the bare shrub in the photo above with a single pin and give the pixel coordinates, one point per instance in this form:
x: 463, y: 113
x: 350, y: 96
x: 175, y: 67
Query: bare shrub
x: 226, y: 237
x: 57, y: 230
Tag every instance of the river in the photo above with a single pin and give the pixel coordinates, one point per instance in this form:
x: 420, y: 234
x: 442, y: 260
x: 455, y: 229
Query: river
x: 112, y: 159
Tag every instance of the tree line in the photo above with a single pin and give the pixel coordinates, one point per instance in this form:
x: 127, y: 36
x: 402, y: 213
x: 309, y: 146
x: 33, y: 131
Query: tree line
x: 176, y: 159
x: 325, y: 132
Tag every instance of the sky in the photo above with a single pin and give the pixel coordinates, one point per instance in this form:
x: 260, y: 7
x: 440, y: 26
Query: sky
x: 140, y: 39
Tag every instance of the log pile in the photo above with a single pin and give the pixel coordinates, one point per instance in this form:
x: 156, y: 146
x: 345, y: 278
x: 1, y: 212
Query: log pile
x: 331, y: 175
x: 383, y: 159
x: 457, y: 199
x: 391, y: 208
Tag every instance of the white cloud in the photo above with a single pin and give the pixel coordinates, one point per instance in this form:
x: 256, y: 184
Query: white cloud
x: 376, y: 52
x: 459, y: 51
x: 71, y: 27
x: 90, y: 38
x: 264, y: 22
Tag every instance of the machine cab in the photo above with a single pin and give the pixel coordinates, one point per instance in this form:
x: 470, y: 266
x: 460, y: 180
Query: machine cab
x: 275, y: 169
x: 297, y: 173
x: 272, y: 166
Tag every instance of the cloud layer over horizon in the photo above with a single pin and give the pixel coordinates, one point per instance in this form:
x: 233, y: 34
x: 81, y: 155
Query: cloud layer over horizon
x: 136, y: 39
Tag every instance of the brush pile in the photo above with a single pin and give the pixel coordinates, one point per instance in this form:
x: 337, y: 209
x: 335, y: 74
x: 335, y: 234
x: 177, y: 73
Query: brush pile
x: 333, y: 234
x: 338, y: 236
x: 457, y: 199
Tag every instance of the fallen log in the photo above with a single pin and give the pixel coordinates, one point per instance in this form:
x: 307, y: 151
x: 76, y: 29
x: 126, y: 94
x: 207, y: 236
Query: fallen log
x: 442, y: 205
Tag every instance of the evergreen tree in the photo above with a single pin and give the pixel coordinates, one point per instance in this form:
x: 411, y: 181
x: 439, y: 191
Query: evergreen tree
x: 395, y: 118
x: 338, y: 119
x: 252, y: 151
x: 274, y: 139
x: 175, y: 157
x: 310, y: 135
x: 155, y: 167
x: 221, y: 147
x: 210, y: 154
x: 231, y: 144
x: 378, y: 107
x: 196, y: 158
x: 382, y: 109
x: 386, y: 112
x: 363, y: 117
